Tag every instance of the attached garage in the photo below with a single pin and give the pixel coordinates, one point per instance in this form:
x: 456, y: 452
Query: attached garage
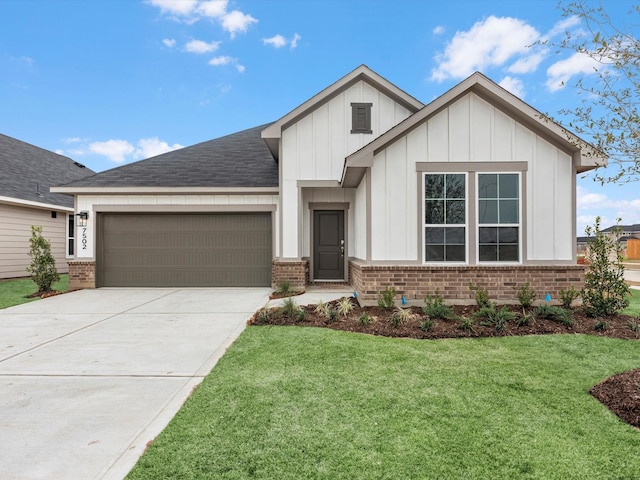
x: 184, y: 249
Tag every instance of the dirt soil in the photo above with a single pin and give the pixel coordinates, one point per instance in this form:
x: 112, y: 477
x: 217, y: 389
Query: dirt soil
x: 620, y: 393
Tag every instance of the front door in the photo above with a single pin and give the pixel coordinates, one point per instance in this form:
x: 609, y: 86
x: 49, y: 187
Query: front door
x: 328, y: 245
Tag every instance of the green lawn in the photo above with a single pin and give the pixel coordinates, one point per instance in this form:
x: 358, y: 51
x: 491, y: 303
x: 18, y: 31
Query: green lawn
x: 634, y: 303
x: 297, y: 403
x: 15, y: 292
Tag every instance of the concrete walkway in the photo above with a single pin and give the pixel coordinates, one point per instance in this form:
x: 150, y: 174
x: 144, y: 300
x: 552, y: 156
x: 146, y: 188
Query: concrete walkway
x: 88, y: 378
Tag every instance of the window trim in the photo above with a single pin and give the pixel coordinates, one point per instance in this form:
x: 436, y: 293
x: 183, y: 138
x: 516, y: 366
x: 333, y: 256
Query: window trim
x: 355, y: 106
x: 466, y: 225
x: 519, y: 225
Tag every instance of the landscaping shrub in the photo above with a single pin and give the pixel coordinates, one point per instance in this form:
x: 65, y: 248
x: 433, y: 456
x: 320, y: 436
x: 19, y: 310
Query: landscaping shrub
x: 434, y: 307
x: 364, y: 319
x: 526, y: 295
x: 551, y: 312
x: 386, y: 298
x: 568, y: 296
x: 481, y: 295
x: 496, y: 318
x: 345, y: 306
x: 605, y: 292
x: 284, y: 288
x: 400, y: 316
x: 290, y: 307
x: 43, y: 266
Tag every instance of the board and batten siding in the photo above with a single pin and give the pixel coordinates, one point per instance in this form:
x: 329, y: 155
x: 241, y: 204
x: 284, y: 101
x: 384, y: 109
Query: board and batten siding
x: 315, y: 147
x: 154, y: 203
x: 360, y: 221
x: 15, y: 232
x: 472, y: 130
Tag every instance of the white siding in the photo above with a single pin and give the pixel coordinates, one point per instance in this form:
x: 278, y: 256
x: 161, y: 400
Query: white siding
x: 471, y: 130
x: 89, y: 202
x: 360, y: 221
x: 15, y: 232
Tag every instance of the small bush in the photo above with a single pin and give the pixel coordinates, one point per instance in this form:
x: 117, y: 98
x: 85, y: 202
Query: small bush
x: 364, y: 319
x: 345, y: 307
x: 400, y: 316
x: 496, y: 318
x: 600, y: 326
x: 332, y: 314
x: 567, y: 297
x: 551, y: 312
x: 263, y: 314
x: 524, y: 319
x: 386, y: 298
x: 434, y: 307
x: 605, y: 291
x: 466, y: 324
x: 321, y: 308
x: 634, y: 325
x: 427, y: 324
x: 302, y: 315
x: 481, y: 295
x: 290, y: 307
x: 284, y: 288
x: 526, y: 295
x: 43, y: 266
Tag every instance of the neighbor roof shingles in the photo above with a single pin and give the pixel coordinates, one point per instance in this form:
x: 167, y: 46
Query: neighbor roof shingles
x: 26, y: 170
x: 241, y: 159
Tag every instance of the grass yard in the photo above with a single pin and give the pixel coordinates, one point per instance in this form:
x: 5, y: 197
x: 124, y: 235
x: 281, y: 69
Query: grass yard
x: 634, y: 303
x: 15, y: 292
x: 295, y: 403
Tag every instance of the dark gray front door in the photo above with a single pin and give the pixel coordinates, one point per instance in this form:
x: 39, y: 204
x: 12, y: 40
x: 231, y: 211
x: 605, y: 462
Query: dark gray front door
x: 328, y: 245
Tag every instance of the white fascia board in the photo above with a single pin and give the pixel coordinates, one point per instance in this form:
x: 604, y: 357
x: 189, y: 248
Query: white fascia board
x: 29, y: 203
x: 167, y: 190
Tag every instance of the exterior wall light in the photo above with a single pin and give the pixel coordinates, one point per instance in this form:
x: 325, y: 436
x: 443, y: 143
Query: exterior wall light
x: 82, y: 218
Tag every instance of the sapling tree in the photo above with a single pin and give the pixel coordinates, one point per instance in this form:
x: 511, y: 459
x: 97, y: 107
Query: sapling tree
x: 605, y: 291
x: 43, y: 266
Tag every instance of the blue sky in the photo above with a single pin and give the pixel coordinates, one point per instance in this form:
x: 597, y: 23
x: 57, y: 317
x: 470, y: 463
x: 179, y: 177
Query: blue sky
x: 109, y: 82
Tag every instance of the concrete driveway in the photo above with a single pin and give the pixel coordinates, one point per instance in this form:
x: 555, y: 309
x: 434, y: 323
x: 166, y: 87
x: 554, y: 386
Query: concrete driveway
x: 88, y: 378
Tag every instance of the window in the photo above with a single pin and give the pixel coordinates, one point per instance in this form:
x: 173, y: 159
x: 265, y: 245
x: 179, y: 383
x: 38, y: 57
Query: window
x: 361, y: 118
x: 498, y: 217
x: 71, y: 239
x: 445, y: 217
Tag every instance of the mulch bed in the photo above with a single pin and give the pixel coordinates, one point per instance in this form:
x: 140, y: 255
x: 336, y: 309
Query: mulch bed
x: 620, y: 393
x: 50, y: 293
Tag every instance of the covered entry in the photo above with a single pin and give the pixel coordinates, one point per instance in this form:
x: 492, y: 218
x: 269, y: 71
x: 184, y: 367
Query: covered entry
x: 184, y: 249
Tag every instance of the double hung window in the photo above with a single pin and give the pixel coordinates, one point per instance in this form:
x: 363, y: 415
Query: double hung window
x: 445, y: 214
x: 498, y: 217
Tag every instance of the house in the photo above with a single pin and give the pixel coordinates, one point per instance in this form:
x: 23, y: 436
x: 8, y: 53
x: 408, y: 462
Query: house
x: 26, y: 173
x: 361, y: 184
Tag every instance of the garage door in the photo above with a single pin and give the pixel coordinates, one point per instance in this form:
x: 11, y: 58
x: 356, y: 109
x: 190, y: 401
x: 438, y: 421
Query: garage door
x: 196, y: 250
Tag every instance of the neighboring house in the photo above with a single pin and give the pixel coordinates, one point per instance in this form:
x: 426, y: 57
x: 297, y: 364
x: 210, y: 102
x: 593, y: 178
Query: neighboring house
x: 26, y: 173
x: 624, y: 230
x: 361, y: 184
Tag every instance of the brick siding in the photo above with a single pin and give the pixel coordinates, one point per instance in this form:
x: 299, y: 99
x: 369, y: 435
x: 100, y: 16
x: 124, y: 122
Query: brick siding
x: 296, y: 272
x: 414, y: 282
x: 82, y: 274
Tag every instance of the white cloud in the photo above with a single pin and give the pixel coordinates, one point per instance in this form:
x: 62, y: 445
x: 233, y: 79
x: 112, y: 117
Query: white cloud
x: 491, y: 42
x: 236, y: 21
x: 240, y: 68
x: 221, y: 60
x: 175, y: 7
x: 169, y: 42
x: 513, y: 85
x: 528, y: 63
x: 294, y: 41
x: 213, y: 8
x: 277, y: 41
x: 150, y: 147
x: 199, y: 46
x: 562, y: 26
x: 561, y: 72
x: 439, y: 30
x: 114, y: 150
x: 591, y: 204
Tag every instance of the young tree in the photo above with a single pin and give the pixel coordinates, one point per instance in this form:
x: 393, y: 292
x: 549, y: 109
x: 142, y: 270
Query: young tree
x: 605, y: 291
x: 608, y: 113
x: 43, y: 266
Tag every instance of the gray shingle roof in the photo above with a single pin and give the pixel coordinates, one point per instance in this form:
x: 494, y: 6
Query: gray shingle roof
x: 241, y: 159
x: 26, y: 169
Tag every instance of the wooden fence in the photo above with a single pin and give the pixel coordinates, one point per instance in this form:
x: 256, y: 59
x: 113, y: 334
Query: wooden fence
x: 633, y: 249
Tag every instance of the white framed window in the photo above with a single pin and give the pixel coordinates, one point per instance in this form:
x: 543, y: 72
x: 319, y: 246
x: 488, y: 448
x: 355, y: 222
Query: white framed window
x: 71, y: 234
x: 445, y: 217
x: 499, y: 217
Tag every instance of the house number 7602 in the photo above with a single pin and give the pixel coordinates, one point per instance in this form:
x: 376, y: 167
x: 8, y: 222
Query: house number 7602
x: 84, y: 238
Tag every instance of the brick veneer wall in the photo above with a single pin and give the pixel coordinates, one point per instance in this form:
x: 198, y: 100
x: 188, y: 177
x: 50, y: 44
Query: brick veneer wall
x: 82, y: 274
x: 416, y: 281
x: 296, y: 272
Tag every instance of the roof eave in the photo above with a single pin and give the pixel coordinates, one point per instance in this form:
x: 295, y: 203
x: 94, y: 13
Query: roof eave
x: 164, y: 190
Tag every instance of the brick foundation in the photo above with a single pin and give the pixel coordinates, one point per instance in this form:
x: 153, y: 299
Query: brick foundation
x: 414, y: 282
x: 296, y: 272
x: 82, y: 274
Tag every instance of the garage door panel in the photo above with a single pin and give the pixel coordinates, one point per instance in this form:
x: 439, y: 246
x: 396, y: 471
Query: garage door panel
x: 185, y: 250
